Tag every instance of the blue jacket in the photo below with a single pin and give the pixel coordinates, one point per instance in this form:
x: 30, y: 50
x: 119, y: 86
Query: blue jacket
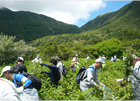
x: 53, y: 73
x: 19, y: 78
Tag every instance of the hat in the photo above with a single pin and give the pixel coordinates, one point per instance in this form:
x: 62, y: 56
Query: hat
x: 58, y: 58
x: 134, y: 57
x: 73, y: 59
x: 76, y: 55
x: 20, y: 59
x: 37, y: 56
x: 99, y: 60
x: 6, y: 68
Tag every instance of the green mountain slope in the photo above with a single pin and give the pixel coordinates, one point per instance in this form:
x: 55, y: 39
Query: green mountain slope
x: 30, y: 26
x: 128, y: 17
x: 104, y: 27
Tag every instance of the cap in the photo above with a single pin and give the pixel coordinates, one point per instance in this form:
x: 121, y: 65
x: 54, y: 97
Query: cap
x: 6, y: 68
x: 58, y: 58
x: 20, y: 59
x: 76, y: 55
x: 73, y: 59
x: 37, y: 56
x: 99, y: 60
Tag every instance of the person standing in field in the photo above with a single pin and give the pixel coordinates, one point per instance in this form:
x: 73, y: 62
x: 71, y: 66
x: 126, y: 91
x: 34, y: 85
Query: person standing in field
x: 88, y: 58
x: 54, y: 73
x: 91, y: 77
x: 37, y: 59
x: 19, y: 66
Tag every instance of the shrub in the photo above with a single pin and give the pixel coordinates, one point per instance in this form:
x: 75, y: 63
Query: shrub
x: 10, y: 50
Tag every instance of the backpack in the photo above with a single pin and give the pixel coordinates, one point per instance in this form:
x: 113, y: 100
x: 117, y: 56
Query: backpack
x: 16, y: 69
x: 59, y: 76
x: 65, y: 71
x: 36, y: 83
x: 80, y: 74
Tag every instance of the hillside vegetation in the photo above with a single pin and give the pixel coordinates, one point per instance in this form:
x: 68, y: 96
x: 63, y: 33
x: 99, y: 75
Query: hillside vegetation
x: 122, y: 24
x: 125, y: 18
x: 68, y: 89
x: 29, y: 26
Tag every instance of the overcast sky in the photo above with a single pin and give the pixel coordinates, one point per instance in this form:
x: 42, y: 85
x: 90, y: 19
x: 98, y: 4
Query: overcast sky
x: 77, y: 12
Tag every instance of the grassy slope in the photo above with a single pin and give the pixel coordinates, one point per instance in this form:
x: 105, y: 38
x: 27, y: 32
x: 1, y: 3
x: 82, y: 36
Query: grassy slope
x: 69, y: 90
x: 125, y: 18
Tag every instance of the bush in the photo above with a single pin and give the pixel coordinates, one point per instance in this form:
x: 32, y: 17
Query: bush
x: 10, y: 50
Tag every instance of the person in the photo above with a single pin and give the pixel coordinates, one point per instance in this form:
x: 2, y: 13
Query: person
x: 8, y: 91
x: 115, y: 58
x: 88, y: 58
x: 59, y: 64
x: 20, y: 66
x: 74, y: 65
x: 91, y: 78
x: 37, y: 59
x: 134, y: 78
x: 103, y: 57
x: 124, y: 58
x: 54, y: 73
x: 76, y: 57
x: 112, y: 59
x: 23, y: 84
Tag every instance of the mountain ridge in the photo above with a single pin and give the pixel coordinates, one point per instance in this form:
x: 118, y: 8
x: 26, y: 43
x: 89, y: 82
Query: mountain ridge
x: 24, y: 24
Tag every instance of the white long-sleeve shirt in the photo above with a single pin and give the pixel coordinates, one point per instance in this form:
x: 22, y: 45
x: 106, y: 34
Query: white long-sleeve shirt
x: 8, y: 91
x: 37, y: 60
x: 60, y: 66
x: 88, y: 58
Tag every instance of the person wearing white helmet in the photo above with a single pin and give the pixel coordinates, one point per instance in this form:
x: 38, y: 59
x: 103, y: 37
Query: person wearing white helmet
x: 19, y: 67
x: 90, y: 76
x: 8, y: 91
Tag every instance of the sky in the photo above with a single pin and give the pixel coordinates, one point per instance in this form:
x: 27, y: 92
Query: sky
x: 76, y: 12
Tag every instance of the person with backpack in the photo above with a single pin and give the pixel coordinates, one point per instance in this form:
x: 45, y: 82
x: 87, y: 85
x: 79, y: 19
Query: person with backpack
x: 59, y: 64
x: 19, y: 67
x: 54, y: 73
x: 8, y: 91
x: 23, y: 84
x: 90, y: 77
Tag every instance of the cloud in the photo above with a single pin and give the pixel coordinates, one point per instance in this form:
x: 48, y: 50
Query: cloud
x: 66, y: 11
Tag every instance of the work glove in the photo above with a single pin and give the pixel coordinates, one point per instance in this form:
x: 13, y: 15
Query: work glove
x: 131, y: 68
x: 125, y: 78
x: 42, y: 72
x: 41, y: 64
x: 100, y: 87
x: 119, y: 80
x: 20, y: 89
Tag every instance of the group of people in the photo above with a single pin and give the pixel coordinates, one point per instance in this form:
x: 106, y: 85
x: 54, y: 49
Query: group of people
x: 21, y: 88
x: 24, y: 91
